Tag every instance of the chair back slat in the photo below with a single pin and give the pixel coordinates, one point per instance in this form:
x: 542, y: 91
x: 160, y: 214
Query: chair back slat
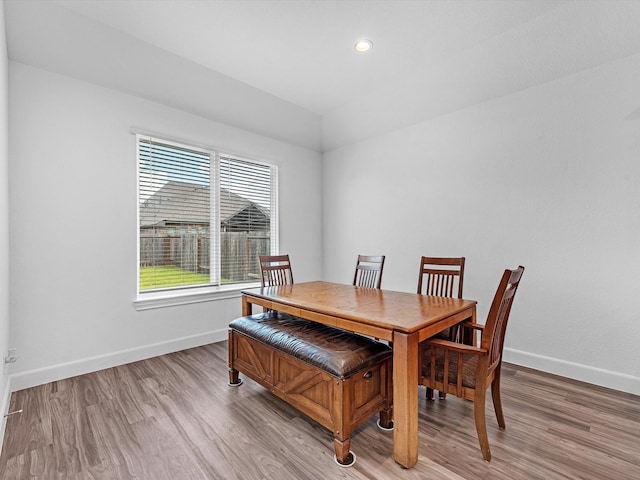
x: 275, y: 270
x: 498, y: 317
x: 441, y: 276
x: 369, y: 271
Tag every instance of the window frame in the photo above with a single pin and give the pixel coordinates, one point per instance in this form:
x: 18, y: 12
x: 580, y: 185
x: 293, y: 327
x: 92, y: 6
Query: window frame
x: 193, y: 293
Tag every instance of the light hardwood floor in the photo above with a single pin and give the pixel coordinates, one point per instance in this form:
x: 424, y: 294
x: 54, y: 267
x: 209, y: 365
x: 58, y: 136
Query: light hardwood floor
x: 174, y: 417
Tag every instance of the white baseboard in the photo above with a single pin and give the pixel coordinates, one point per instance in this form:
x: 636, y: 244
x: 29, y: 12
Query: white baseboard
x: 4, y: 408
x: 20, y: 381
x: 584, y: 373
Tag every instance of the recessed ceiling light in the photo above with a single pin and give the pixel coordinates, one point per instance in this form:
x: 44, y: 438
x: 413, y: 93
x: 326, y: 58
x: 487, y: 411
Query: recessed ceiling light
x: 362, y: 46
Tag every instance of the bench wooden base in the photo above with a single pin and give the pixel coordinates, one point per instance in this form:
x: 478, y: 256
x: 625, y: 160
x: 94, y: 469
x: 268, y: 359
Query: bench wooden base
x: 339, y: 404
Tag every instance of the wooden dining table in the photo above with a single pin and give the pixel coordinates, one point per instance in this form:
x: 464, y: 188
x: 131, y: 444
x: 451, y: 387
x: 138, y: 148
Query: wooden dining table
x: 406, y: 319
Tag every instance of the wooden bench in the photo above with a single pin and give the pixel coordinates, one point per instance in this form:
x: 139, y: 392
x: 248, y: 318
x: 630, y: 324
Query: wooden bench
x: 338, y: 378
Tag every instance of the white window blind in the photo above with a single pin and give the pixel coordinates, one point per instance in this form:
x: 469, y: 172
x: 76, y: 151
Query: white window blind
x: 245, y: 217
x: 184, y: 190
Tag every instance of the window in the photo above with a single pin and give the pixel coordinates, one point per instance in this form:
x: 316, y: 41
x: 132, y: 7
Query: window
x: 204, y: 217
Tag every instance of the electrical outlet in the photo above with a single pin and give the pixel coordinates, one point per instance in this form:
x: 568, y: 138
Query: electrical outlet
x: 11, y: 356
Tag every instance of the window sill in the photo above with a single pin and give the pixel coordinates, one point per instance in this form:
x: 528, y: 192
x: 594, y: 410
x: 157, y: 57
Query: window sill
x: 149, y: 301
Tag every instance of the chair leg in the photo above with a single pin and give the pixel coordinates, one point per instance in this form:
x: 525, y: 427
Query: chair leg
x: 481, y: 424
x: 497, y: 402
x: 429, y: 394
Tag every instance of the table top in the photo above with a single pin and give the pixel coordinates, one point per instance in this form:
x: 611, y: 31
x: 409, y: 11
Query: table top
x: 390, y: 310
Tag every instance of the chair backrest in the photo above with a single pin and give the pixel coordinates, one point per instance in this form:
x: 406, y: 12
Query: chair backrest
x: 496, y: 324
x: 369, y: 271
x: 441, y: 276
x: 275, y: 270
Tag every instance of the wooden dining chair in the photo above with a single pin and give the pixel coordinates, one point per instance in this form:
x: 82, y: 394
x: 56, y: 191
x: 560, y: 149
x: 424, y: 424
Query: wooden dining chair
x: 275, y: 270
x: 369, y: 271
x: 466, y: 371
x: 442, y: 277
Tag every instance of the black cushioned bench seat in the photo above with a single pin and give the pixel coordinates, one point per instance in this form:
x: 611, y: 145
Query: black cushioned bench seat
x: 335, y: 351
x: 338, y: 378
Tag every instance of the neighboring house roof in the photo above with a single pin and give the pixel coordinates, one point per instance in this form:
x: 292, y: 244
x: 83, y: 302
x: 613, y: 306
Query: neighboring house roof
x: 182, y: 203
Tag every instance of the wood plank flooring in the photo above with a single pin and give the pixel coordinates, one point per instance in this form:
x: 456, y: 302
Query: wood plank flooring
x: 174, y: 417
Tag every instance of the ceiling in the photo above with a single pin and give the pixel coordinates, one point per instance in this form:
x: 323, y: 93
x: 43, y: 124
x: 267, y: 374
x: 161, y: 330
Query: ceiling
x: 302, y: 51
x: 430, y: 56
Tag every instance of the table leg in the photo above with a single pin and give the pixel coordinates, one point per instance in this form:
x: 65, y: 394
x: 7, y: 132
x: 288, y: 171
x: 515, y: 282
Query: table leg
x: 405, y: 398
x: 246, y: 306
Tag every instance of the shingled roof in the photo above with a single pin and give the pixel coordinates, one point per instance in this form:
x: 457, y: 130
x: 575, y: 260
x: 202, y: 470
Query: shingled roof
x: 182, y: 203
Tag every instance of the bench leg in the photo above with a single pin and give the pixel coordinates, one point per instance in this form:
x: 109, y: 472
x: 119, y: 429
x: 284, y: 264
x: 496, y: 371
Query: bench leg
x: 234, y: 379
x: 344, y: 457
x: 386, y: 419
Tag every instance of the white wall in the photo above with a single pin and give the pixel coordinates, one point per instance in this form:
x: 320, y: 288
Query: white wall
x: 73, y: 225
x: 4, y: 226
x: 547, y: 178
